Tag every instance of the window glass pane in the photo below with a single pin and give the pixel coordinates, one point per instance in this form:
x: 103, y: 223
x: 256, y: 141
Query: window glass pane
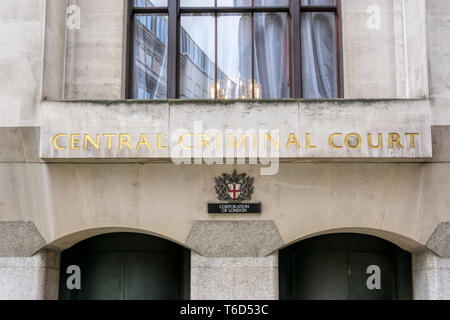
x: 197, y: 3
x: 150, y: 3
x: 234, y: 3
x: 150, y: 57
x: 271, y: 56
x: 275, y: 3
x: 234, y: 55
x: 149, y: 60
x: 318, y: 2
x: 197, y: 65
x: 319, y: 74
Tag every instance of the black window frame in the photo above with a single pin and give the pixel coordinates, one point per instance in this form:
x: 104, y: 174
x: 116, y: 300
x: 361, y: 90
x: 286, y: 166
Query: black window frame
x: 174, y: 12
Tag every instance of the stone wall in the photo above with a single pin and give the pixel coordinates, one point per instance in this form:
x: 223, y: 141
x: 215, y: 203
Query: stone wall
x: 94, y: 52
x: 438, y: 37
x: 21, y: 42
x: 67, y: 202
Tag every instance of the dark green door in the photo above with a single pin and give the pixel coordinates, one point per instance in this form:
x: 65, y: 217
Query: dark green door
x: 345, y: 266
x: 122, y: 266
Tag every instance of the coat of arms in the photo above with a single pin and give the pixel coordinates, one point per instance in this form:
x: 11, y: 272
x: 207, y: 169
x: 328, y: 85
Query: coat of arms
x: 234, y: 187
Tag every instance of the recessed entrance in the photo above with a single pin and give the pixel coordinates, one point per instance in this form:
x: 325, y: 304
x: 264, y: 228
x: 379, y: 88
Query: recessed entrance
x: 122, y: 266
x: 345, y: 266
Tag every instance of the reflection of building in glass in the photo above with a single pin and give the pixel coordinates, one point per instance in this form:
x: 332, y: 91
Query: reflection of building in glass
x: 150, y: 70
x: 199, y: 73
x: 150, y: 64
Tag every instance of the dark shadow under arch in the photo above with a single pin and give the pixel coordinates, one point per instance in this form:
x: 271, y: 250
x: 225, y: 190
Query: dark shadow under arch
x: 121, y: 266
x: 335, y: 266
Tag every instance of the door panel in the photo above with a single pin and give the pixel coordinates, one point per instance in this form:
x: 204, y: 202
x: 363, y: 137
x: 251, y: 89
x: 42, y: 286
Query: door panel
x: 127, y: 266
x: 358, y: 276
x: 335, y: 267
x: 151, y: 276
x: 101, y: 276
x: 320, y: 275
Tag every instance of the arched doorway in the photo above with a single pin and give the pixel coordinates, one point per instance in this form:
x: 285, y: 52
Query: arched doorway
x: 345, y: 266
x: 122, y: 266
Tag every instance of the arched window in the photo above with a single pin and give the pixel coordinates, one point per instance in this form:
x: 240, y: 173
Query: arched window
x: 255, y: 49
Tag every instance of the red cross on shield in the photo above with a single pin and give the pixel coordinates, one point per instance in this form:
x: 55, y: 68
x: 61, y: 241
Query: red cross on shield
x: 234, y: 190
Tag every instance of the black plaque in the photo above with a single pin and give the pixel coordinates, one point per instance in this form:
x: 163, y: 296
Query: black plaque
x: 234, y: 208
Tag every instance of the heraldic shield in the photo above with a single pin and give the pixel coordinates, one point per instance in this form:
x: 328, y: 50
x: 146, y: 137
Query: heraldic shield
x: 234, y: 190
x: 234, y: 187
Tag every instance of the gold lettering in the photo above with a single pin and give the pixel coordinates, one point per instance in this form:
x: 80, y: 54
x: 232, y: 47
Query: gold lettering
x: 143, y: 140
x: 380, y: 141
x: 74, y: 141
x: 200, y: 140
x: 55, y: 141
x: 331, y: 143
x: 358, y: 137
x: 267, y: 137
x: 411, y: 139
x: 396, y: 140
x: 122, y: 141
x: 218, y: 140
x: 182, y: 138
x: 308, y: 142
x: 242, y: 138
x: 292, y: 140
x: 109, y: 136
x: 95, y: 144
x: 159, y: 143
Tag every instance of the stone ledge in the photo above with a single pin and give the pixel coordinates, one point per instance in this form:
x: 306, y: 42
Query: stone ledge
x: 19, y: 239
x: 234, y: 238
x: 439, y: 241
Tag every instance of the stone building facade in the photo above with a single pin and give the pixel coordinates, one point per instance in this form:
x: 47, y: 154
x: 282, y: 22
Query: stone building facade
x: 79, y: 161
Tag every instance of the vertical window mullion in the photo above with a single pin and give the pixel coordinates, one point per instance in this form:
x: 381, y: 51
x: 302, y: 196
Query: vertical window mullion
x: 296, y: 50
x: 253, y: 49
x: 130, y: 57
x: 173, y: 50
x: 216, y: 55
x: 339, y: 50
x: 253, y: 53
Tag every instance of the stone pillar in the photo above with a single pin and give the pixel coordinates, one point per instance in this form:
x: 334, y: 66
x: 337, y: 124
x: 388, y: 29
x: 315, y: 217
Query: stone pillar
x: 30, y: 278
x: 234, y: 260
x: 25, y: 271
x: 431, y: 266
x: 248, y: 278
x: 431, y: 276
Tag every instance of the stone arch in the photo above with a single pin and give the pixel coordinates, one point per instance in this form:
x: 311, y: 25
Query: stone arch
x: 404, y: 242
x: 68, y: 240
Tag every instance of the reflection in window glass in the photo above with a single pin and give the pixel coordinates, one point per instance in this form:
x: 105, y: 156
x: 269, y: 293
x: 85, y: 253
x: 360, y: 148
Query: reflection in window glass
x: 234, y: 3
x: 150, y: 57
x: 274, y: 3
x: 271, y: 56
x: 319, y: 74
x: 234, y: 55
x: 318, y: 2
x: 197, y: 3
x: 150, y: 3
x: 149, y: 60
x: 197, y: 65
